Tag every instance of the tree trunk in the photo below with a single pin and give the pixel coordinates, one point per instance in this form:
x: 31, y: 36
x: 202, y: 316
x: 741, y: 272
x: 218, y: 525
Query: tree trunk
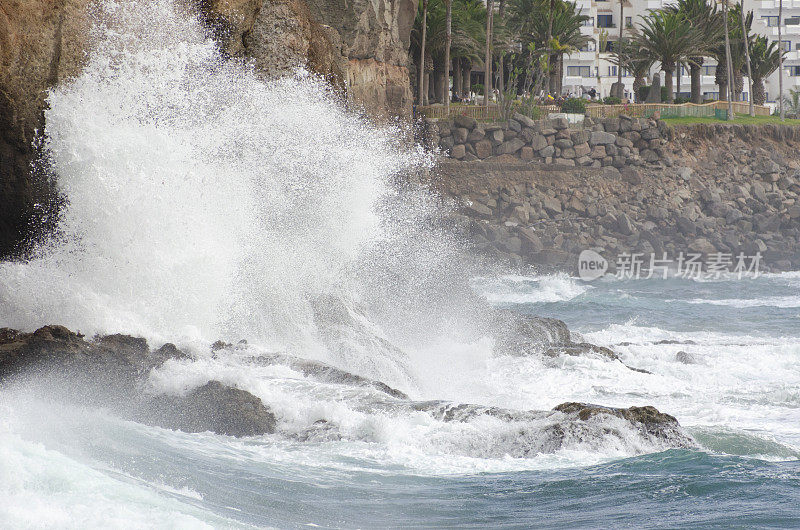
x: 422, y: 51
x: 759, y: 93
x: 548, y: 38
x: 467, y: 74
x: 558, y: 78
x: 552, y: 86
x: 749, y: 71
x: 696, y: 72
x: 668, y: 81
x: 678, y: 81
x: 439, y: 76
x: 620, y: 89
x: 448, y: 41
x: 501, y: 67
x: 426, y: 87
x: 458, y: 79
x: 738, y: 86
x: 638, y: 82
x: 487, y: 81
x: 721, y: 77
x: 780, y: 61
x: 729, y: 65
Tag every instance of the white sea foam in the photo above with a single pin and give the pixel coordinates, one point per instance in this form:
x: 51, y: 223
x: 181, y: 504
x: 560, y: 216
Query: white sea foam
x: 530, y: 289
x: 773, y: 301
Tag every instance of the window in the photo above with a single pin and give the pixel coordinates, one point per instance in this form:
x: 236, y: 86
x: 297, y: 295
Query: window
x: 589, y: 22
x: 708, y: 69
x: 610, y: 46
x: 710, y: 95
x: 629, y: 22
x: 787, y: 45
x: 793, y: 71
x: 605, y: 21
x: 771, y: 21
x: 612, y: 71
x: 797, y: 46
x: 579, y: 71
x: 792, y: 21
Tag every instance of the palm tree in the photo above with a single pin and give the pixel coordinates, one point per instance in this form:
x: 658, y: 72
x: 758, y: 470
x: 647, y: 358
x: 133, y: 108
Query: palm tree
x: 465, y: 37
x: 707, y: 21
x: 668, y: 37
x: 740, y: 38
x: 793, y: 102
x: 469, y: 26
x: 636, y: 60
x: 553, y: 27
x: 764, y: 61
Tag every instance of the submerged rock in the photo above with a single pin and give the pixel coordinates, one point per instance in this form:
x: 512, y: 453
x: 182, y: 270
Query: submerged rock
x: 326, y: 373
x: 520, y: 335
x: 685, y: 357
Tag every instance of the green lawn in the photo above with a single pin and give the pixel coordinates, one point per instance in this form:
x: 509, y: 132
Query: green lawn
x: 740, y: 119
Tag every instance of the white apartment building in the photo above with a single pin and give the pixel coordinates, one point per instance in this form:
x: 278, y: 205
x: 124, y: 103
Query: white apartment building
x: 592, y: 67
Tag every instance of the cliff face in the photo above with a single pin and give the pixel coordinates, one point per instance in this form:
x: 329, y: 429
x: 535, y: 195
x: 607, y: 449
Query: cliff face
x: 376, y: 37
x: 41, y: 43
x: 359, y: 46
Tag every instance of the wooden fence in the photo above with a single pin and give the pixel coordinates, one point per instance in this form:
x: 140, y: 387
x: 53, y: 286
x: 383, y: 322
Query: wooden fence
x: 718, y: 109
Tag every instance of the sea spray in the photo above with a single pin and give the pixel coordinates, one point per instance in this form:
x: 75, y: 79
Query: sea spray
x: 202, y: 202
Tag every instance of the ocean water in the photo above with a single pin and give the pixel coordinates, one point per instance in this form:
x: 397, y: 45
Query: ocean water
x: 204, y: 203
x: 68, y: 466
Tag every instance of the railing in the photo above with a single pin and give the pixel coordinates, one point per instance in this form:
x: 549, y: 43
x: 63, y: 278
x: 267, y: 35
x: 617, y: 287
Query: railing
x: 634, y: 110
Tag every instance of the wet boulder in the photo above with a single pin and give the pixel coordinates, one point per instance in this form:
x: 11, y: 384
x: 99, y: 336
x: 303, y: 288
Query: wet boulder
x: 652, y: 425
x: 213, y: 407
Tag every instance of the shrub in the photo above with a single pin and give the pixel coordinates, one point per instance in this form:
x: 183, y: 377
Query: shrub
x: 641, y: 93
x: 574, y: 106
x: 477, y: 88
x: 682, y: 99
x: 612, y: 100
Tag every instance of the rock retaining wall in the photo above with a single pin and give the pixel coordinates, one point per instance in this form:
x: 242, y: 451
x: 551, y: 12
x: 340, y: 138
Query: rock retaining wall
x: 616, y: 142
x: 715, y: 189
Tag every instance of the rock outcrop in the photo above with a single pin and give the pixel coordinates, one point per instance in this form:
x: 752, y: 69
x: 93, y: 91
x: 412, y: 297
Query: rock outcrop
x: 109, y: 371
x: 41, y: 43
x: 569, y: 424
x: 360, y: 47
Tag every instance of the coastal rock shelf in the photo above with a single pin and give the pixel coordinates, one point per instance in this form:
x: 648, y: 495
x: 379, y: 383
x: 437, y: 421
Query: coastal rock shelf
x: 111, y: 371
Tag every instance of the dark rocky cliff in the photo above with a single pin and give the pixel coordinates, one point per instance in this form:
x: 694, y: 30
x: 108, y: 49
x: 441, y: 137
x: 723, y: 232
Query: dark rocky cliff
x: 360, y: 46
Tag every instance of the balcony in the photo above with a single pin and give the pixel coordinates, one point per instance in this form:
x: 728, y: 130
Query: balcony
x: 774, y: 4
x: 574, y: 80
x: 582, y: 56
